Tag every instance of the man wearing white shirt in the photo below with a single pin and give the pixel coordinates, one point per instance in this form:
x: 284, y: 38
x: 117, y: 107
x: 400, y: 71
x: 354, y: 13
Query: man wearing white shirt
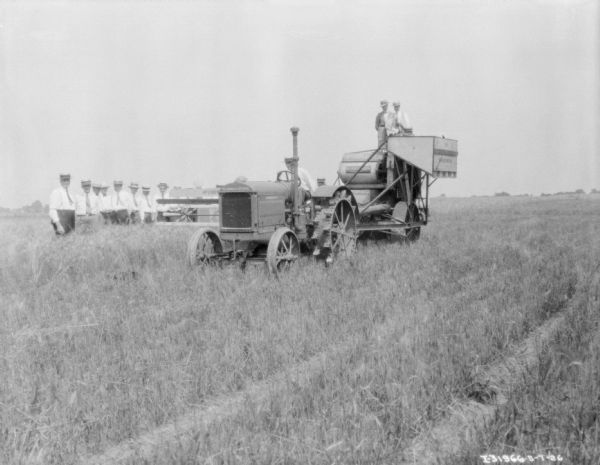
x: 398, y: 124
x: 121, y: 204
x: 104, y: 205
x: 96, y: 186
x: 62, y: 207
x: 147, y: 206
x: 307, y: 182
x: 136, y: 199
x: 86, y: 207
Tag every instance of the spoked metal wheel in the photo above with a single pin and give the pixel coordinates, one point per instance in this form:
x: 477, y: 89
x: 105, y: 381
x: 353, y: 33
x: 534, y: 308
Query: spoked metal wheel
x: 283, y: 250
x: 412, y: 216
x: 204, y: 247
x: 187, y: 215
x: 342, y: 230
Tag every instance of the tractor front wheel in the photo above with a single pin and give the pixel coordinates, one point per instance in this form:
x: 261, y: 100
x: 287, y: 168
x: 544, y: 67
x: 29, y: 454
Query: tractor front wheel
x: 283, y: 250
x: 204, y: 247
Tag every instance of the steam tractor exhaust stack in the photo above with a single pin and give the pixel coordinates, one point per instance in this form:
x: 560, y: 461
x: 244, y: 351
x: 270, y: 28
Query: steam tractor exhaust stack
x: 294, y: 166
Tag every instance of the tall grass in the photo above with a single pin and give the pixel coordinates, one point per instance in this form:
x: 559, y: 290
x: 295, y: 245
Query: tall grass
x: 108, y: 334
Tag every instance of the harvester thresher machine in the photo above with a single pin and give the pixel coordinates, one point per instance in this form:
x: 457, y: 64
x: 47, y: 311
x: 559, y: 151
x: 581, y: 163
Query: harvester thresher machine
x: 382, y: 193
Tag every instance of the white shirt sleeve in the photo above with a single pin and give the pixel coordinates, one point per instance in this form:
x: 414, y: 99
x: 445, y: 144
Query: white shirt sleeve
x: 306, y: 180
x: 54, y: 204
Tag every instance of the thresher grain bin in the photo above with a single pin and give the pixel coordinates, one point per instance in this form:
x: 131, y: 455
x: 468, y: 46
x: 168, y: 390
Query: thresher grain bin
x: 383, y: 192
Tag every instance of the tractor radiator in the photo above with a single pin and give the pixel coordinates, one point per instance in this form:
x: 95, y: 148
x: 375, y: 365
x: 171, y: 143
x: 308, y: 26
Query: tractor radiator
x: 236, y: 210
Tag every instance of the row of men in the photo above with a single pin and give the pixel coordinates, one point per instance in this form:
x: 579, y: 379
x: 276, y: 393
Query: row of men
x: 119, y: 207
x: 391, y: 123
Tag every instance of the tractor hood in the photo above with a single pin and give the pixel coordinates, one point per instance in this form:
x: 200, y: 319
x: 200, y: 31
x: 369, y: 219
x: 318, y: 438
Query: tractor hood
x: 281, y: 189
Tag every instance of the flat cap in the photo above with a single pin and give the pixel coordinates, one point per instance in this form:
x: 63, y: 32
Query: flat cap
x: 162, y: 184
x: 97, y: 185
x: 396, y: 103
x: 118, y: 183
x: 64, y: 177
x: 86, y: 182
x: 384, y: 102
x: 145, y: 187
x: 134, y: 185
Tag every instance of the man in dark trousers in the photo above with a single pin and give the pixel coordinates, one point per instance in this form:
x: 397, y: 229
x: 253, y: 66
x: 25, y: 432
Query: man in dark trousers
x: 381, y: 122
x: 62, y: 207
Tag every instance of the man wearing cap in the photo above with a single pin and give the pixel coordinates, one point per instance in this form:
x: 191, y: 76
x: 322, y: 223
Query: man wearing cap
x: 147, y: 206
x: 307, y: 182
x: 86, y: 207
x: 163, y: 193
x: 121, y: 204
x: 96, y: 186
x: 104, y: 205
x: 136, y: 215
x: 381, y: 123
x: 62, y: 207
x: 398, y: 124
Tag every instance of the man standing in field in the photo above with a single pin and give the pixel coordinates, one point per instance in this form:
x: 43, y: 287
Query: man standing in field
x: 104, y: 205
x: 62, y: 207
x: 135, y: 216
x: 147, y: 206
x: 96, y: 186
x: 121, y: 204
x: 87, y: 204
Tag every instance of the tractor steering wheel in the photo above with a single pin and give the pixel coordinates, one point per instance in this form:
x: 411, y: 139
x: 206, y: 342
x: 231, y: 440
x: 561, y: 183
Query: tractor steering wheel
x: 286, y: 176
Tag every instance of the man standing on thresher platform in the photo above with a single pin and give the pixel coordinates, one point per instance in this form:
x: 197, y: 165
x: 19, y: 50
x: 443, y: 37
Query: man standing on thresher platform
x: 136, y: 216
x: 381, y: 123
x: 398, y: 124
x: 147, y: 206
x: 86, y: 207
x: 121, y: 204
x: 163, y: 193
x: 62, y: 207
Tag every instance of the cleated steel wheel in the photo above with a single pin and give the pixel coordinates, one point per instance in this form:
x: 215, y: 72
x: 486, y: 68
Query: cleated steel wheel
x: 204, y: 247
x: 342, y: 230
x: 283, y: 250
x: 413, y: 215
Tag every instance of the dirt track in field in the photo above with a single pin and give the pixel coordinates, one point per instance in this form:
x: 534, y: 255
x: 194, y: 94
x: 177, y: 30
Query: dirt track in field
x: 494, y: 386
x: 445, y: 439
x: 182, y: 429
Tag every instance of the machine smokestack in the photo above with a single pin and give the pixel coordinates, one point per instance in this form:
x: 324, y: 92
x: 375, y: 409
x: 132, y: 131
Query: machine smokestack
x: 295, y: 131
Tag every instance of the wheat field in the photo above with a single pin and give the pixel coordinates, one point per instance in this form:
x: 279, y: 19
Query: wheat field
x: 108, y: 336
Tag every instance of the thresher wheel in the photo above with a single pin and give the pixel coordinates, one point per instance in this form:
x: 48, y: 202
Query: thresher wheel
x: 203, y: 247
x: 412, y: 215
x: 342, y: 230
x: 283, y: 250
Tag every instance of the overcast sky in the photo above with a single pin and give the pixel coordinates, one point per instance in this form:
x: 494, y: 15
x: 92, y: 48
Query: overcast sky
x: 202, y: 92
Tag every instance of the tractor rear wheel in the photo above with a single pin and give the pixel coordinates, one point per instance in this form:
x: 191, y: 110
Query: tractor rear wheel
x: 283, y: 250
x: 204, y: 247
x: 342, y: 230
